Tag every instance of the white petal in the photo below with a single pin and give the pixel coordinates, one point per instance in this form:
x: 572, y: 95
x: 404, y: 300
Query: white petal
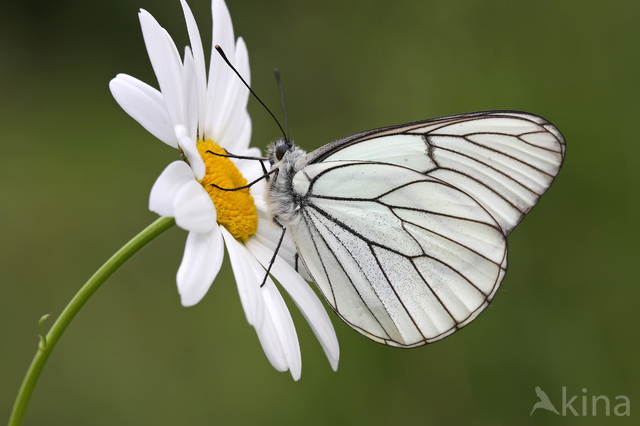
x: 203, y: 254
x: 265, y: 309
x: 166, y: 64
x: 166, y: 187
x: 268, y: 235
x: 251, y: 152
x: 244, y: 266
x: 252, y: 171
x: 145, y: 105
x: 233, y: 111
x: 220, y: 75
x: 250, y: 168
x: 265, y: 326
x: 304, y: 297
x: 277, y: 311
x: 242, y: 60
x: 222, y: 26
x: 270, y: 342
x: 198, y: 56
x: 187, y: 144
x: 194, y: 210
x: 244, y: 135
x: 190, y: 90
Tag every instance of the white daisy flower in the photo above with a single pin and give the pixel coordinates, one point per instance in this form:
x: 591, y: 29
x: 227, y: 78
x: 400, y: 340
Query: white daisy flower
x: 203, y: 116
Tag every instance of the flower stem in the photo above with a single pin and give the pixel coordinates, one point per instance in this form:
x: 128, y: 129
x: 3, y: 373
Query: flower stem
x: 100, y: 276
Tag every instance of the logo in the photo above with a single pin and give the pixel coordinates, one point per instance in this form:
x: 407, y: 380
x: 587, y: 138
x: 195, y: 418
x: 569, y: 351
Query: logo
x: 583, y: 405
x: 543, y: 402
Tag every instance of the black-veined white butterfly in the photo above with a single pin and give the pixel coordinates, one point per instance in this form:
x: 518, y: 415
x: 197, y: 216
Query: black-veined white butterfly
x: 404, y: 228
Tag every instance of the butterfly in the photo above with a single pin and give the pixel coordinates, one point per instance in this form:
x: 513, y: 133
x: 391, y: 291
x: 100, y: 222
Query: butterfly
x: 404, y: 228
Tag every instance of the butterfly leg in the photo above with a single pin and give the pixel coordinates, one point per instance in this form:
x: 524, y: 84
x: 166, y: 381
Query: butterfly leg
x: 275, y: 252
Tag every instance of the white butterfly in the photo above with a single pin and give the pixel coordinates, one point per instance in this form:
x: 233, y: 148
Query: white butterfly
x: 404, y: 228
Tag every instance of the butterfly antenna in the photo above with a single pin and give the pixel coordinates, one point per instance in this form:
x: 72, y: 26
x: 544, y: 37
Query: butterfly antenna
x: 224, y: 57
x: 284, y: 110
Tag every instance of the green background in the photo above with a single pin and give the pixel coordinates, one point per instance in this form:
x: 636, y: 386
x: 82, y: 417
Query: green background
x: 75, y: 174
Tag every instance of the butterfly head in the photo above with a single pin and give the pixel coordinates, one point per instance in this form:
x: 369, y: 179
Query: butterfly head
x: 277, y: 150
x: 283, y: 151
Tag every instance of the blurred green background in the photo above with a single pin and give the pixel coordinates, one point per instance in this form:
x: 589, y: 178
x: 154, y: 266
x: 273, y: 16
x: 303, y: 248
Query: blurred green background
x: 75, y: 174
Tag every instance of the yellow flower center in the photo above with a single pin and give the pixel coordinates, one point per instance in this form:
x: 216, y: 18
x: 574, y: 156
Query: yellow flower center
x: 236, y: 209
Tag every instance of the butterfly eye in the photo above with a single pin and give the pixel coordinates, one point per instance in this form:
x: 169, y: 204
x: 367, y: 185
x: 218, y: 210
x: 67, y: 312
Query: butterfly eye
x: 282, y: 149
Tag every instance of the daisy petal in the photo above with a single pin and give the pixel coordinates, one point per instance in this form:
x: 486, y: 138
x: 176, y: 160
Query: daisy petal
x: 187, y: 144
x: 273, y: 323
x: 261, y: 206
x: 250, y: 169
x: 269, y: 233
x: 198, y: 57
x: 193, y: 208
x: 244, y: 135
x: 277, y: 311
x: 244, y: 265
x: 203, y: 254
x: 220, y: 76
x: 145, y: 105
x: 190, y: 90
x: 222, y: 26
x: 166, y: 64
x: 268, y: 337
x: 166, y: 187
x: 234, y: 110
x: 274, y: 327
x: 304, y: 297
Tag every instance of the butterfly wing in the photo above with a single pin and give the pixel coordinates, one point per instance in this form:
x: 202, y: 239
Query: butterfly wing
x: 404, y: 227
x: 403, y: 257
x: 505, y: 160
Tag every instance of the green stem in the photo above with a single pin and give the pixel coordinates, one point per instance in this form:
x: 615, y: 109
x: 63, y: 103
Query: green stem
x: 49, y: 342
